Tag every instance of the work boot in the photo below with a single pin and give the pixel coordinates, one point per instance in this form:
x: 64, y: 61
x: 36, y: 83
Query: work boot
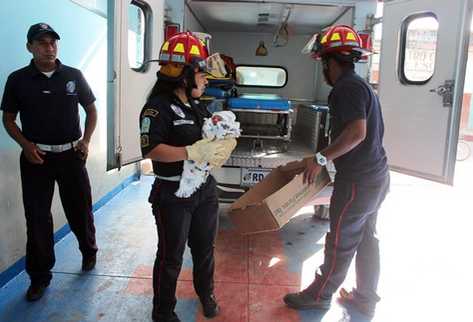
x: 35, y: 292
x: 304, y: 301
x: 209, y: 306
x: 349, y: 300
x: 88, y: 263
x: 165, y: 317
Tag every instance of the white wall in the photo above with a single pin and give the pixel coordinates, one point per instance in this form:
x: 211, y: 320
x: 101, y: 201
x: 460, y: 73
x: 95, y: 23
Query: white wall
x: 190, y: 23
x: 301, y: 68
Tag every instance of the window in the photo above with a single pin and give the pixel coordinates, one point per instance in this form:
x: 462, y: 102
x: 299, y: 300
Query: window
x: 261, y: 76
x: 418, y: 48
x: 138, y: 43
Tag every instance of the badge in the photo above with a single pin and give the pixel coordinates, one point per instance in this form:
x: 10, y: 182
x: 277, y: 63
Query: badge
x: 182, y: 122
x: 71, y: 87
x: 145, y: 124
x: 144, y: 140
x: 179, y: 112
x: 150, y: 112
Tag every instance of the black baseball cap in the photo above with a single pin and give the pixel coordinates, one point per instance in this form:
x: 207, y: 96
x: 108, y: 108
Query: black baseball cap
x: 39, y: 29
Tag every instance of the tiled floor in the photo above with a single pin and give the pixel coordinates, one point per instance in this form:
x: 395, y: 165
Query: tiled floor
x: 426, y: 264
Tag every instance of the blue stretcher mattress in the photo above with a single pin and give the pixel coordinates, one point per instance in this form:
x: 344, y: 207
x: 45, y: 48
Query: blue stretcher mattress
x: 259, y: 101
x: 216, y: 92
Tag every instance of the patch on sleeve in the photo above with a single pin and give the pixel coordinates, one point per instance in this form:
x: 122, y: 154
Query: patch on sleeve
x: 144, y: 140
x: 145, y: 125
x: 150, y: 112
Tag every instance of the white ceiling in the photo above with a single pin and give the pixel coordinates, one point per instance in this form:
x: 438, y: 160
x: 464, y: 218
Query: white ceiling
x: 228, y: 16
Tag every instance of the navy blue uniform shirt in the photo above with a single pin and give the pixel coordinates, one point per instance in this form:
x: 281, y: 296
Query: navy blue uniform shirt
x: 165, y: 119
x: 352, y: 98
x: 48, y: 106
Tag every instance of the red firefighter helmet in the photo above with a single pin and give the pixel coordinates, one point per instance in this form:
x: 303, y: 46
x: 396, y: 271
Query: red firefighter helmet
x: 186, y: 49
x: 340, y: 40
x: 180, y: 50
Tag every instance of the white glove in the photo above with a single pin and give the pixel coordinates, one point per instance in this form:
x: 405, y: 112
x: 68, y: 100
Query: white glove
x: 228, y: 147
x: 205, y: 150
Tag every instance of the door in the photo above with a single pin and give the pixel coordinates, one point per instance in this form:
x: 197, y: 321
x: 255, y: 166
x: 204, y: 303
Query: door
x: 135, y: 34
x: 422, y: 70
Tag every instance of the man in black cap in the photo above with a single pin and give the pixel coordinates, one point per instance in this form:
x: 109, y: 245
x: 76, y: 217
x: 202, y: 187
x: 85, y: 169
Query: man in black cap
x: 46, y: 94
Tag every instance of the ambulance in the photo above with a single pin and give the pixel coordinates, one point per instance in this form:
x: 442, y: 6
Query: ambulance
x: 279, y: 95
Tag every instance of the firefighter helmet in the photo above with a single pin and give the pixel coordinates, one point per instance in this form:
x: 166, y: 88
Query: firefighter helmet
x: 180, y: 50
x: 340, y: 40
x: 186, y: 49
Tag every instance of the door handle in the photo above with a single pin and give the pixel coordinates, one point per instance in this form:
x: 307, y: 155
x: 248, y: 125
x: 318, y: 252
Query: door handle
x: 446, y: 91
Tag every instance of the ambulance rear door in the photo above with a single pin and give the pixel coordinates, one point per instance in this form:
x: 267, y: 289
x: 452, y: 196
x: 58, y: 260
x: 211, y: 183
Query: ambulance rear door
x: 422, y: 71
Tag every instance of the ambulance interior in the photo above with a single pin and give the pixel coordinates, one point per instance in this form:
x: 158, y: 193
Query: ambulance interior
x: 424, y: 227
x: 279, y: 95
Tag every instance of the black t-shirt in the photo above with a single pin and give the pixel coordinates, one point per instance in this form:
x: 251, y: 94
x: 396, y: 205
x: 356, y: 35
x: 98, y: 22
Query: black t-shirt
x: 48, y: 106
x: 352, y: 98
x: 165, y: 119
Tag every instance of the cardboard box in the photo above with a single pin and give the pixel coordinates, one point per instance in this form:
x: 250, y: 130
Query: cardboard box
x: 271, y: 203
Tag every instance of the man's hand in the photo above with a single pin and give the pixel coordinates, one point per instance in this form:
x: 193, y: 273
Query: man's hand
x: 83, y: 148
x: 33, y: 153
x: 311, y: 170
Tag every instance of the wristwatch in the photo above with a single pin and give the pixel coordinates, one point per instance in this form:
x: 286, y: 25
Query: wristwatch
x: 320, y: 159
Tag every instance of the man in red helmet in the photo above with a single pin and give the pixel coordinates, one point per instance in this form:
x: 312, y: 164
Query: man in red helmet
x: 361, y: 182
x: 171, y: 132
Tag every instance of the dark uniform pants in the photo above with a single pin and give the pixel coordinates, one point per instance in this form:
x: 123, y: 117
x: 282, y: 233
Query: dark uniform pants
x: 68, y: 170
x: 353, y: 213
x: 178, y: 220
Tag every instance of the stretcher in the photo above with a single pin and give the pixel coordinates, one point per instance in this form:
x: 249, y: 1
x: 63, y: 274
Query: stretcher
x: 259, y: 102
x: 263, y: 116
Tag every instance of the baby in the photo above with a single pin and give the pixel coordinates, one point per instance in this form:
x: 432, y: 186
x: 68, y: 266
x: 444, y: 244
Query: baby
x: 221, y: 125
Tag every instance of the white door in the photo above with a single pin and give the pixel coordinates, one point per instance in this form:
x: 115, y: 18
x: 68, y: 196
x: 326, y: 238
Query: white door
x: 422, y: 70
x: 135, y: 36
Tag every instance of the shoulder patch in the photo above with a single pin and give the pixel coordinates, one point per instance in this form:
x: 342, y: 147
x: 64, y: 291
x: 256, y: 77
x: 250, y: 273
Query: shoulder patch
x: 145, y: 125
x: 144, y: 140
x: 150, y: 112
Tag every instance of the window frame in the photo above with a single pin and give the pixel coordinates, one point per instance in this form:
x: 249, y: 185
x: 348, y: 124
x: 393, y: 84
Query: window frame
x: 263, y: 86
x: 402, y: 54
x: 147, y: 12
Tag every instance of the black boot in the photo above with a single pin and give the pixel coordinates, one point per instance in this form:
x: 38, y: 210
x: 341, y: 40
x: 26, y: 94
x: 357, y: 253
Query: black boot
x: 88, y: 263
x: 305, y: 301
x: 209, y: 306
x: 36, y: 291
x: 165, y: 317
x: 349, y: 300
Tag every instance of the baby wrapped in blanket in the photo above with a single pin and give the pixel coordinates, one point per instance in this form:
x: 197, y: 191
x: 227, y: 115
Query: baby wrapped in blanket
x: 222, y: 125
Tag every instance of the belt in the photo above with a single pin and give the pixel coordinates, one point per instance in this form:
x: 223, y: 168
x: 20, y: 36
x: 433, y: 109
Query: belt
x: 57, y: 148
x: 174, y: 178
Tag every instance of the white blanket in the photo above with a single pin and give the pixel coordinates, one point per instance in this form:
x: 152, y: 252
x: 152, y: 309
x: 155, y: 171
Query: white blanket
x: 221, y: 125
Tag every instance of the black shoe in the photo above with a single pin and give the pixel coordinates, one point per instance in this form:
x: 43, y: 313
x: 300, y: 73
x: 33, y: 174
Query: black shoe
x: 209, y: 306
x: 169, y: 317
x: 88, y: 263
x: 304, y: 301
x: 35, y: 292
x: 349, y: 300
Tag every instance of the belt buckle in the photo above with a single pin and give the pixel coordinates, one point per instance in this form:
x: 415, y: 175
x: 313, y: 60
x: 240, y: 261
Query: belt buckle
x: 56, y: 148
